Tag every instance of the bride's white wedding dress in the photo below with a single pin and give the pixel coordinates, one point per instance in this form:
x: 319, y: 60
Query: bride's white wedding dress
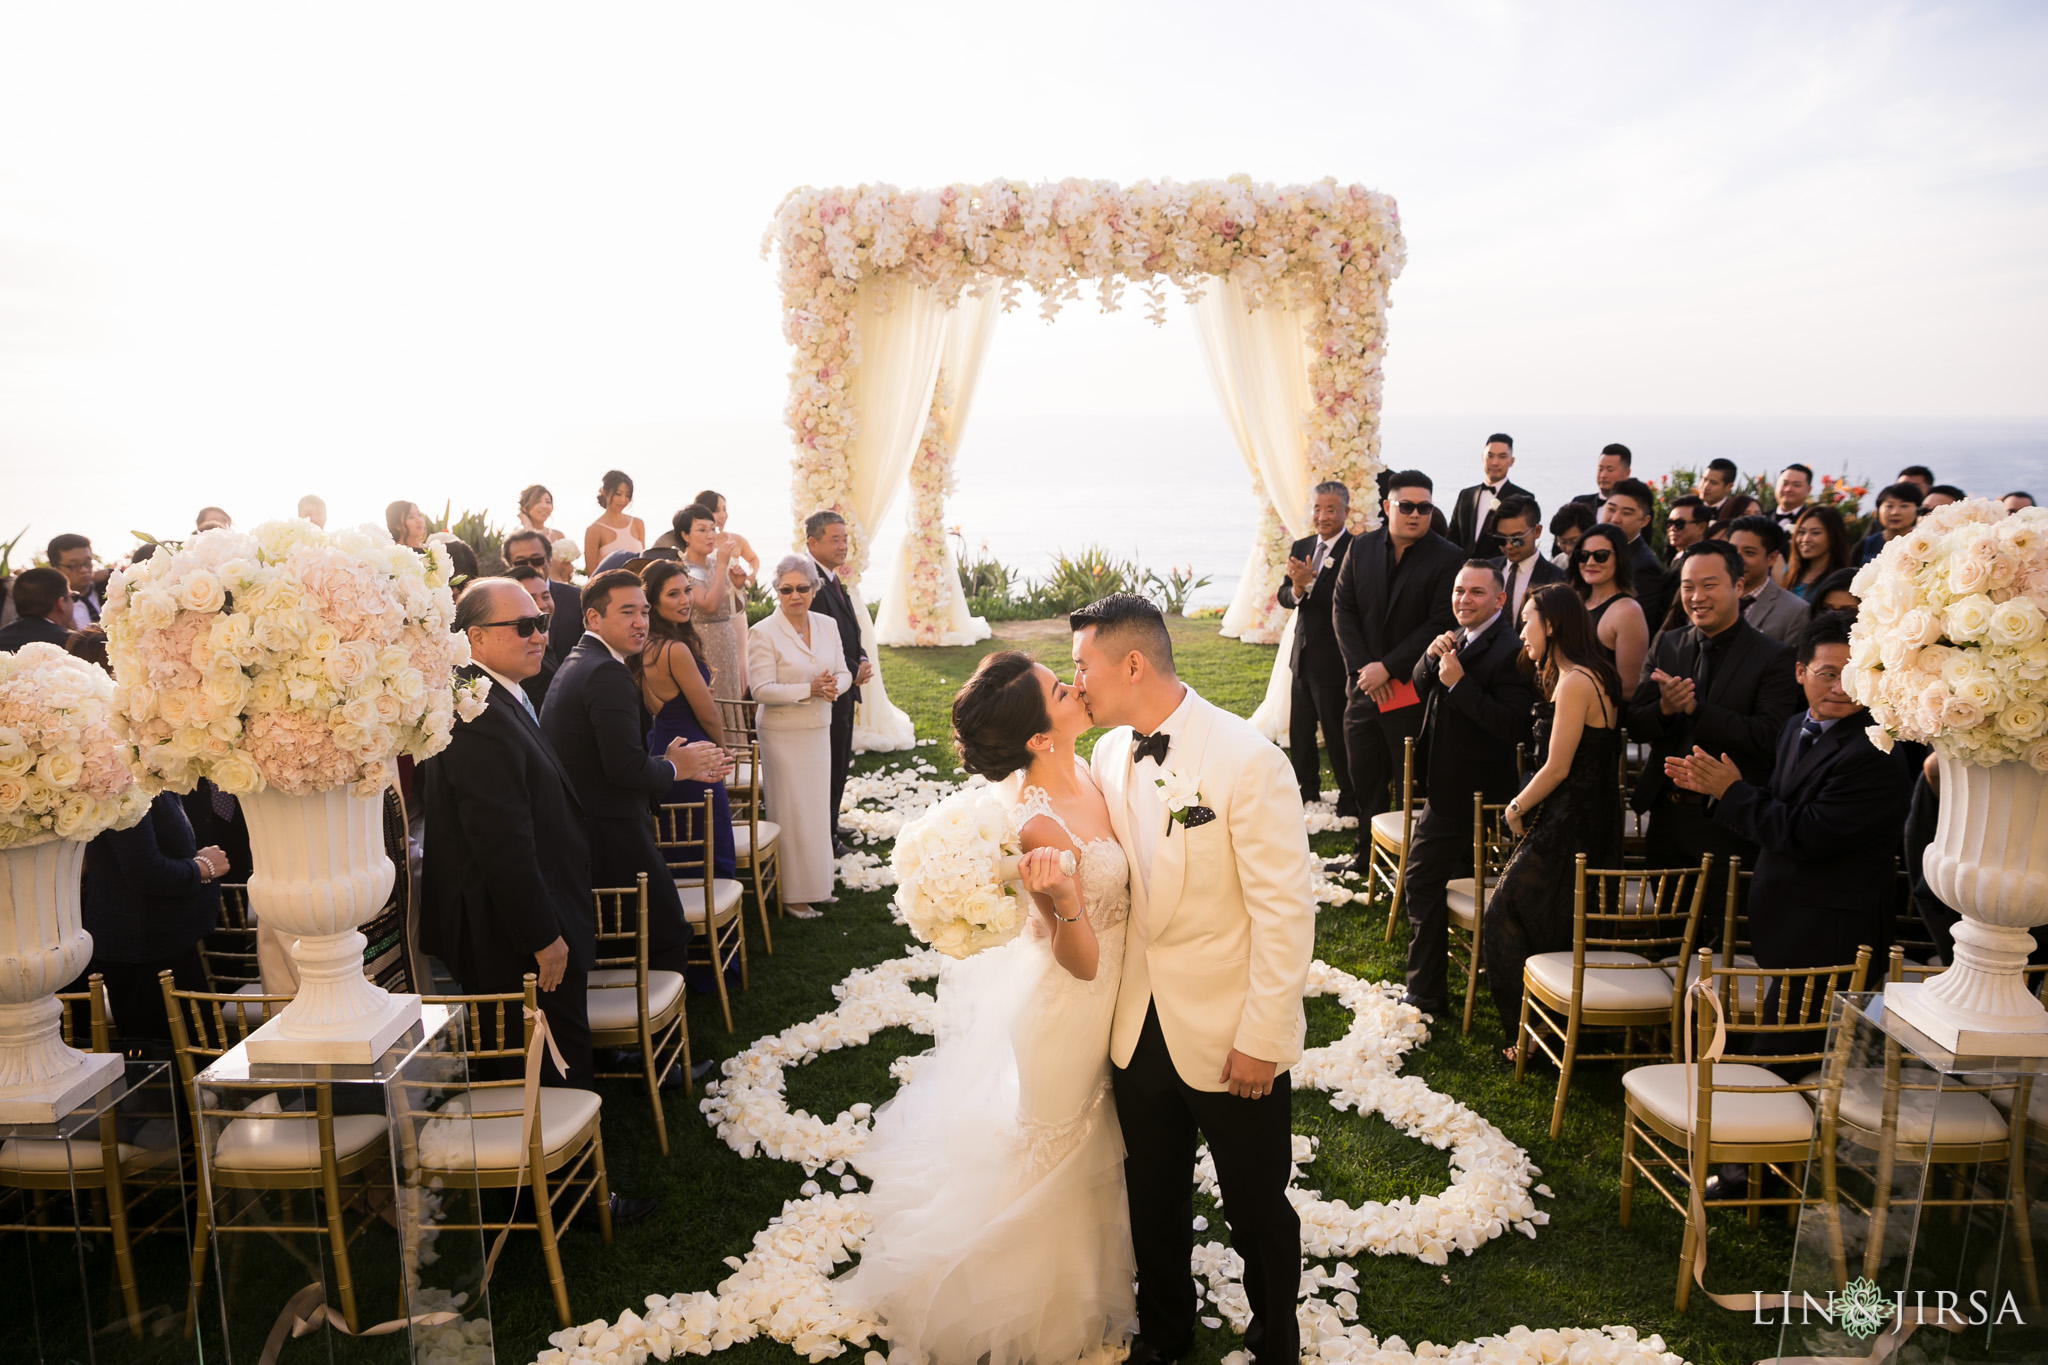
x: 1000, y: 1227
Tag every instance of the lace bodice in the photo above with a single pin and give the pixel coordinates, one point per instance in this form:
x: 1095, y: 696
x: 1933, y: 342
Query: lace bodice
x: 1103, y: 872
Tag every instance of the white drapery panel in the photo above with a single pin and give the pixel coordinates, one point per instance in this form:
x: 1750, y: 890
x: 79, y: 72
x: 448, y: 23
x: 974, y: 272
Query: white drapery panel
x: 902, y: 326
x: 969, y: 325
x: 1258, y: 363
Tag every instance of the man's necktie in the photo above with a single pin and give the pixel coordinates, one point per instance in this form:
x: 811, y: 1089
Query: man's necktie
x: 1315, y: 562
x: 1809, y: 731
x: 1150, y: 746
x: 1509, y: 586
x: 526, y: 703
x: 223, y: 804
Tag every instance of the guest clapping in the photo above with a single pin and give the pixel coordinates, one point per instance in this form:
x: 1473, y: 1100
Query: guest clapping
x: 675, y: 687
x: 797, y: 661
x: 1315, y: 662
x: 614, y: 537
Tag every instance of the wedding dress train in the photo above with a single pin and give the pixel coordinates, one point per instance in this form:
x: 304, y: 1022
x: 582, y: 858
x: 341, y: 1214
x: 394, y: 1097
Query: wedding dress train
x: 1000, y: 1227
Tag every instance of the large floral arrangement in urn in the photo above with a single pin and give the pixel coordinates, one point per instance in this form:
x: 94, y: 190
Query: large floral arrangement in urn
x: 1950, y: 649
x: 292, y: 666
x: 64, y: 779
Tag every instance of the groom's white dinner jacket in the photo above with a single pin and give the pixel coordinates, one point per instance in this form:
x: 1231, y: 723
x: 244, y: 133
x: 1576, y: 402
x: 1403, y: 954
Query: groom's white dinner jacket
x: 1223, y: 924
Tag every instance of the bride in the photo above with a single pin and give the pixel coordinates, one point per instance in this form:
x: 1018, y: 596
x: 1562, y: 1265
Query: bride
x: 1000, y: 1226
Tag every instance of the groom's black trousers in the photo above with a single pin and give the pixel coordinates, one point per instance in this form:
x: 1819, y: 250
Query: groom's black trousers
x: 1163, y: 1118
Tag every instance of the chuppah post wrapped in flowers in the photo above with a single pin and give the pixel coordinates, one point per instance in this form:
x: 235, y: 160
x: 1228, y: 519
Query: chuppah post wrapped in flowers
x: 291, y: 667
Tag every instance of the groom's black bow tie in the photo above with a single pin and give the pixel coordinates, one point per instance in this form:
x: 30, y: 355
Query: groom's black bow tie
x: 1150, y: 746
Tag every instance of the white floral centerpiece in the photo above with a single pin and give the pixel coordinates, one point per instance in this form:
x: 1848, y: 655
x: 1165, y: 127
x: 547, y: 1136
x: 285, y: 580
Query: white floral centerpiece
x: 1950, y: 649
x: 292, y: 666
x: 64, y: 778
x: 952, y: 866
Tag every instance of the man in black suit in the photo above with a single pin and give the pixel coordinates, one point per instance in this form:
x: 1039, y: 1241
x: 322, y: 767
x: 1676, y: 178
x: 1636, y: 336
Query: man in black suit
x: 539, y: 589
x: 826, y: 539
x: 505, y: 886
x: 593, y: 721
x: 1314, y: 659
x: 1517, y: 526
x: 1476, y: 710
x: 42, y: 611
x: 1393, y: 597
x: 1719, y: 684
x: 1632, y: 508
x: 1822, y: 824
x: 1612, y: 467
x: 1471, y: 521
x: 530, y: 549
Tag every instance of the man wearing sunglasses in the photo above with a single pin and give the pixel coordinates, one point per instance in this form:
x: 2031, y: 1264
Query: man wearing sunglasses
x: 530, y: 549
x: 1393, y: 597
x: 1685, y: 525
x: 1516, y: 526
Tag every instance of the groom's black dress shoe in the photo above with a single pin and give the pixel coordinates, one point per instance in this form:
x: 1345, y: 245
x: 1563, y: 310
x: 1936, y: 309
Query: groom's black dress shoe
x: 1432, y: 1007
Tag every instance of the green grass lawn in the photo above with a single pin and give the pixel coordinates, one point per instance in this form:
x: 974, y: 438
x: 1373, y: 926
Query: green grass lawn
x: 1582, y: 1269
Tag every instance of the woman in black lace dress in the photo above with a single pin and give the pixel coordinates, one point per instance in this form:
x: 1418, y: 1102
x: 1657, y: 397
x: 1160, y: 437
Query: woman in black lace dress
x: 1571, y: 806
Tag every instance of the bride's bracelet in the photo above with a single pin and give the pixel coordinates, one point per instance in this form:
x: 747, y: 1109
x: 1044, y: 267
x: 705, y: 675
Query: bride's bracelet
x: 1063, y: 919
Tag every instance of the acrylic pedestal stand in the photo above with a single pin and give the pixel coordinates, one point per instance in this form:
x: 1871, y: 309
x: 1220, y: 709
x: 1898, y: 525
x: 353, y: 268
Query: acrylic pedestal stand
x: 1954, y: 1229
x: 386, y: 1244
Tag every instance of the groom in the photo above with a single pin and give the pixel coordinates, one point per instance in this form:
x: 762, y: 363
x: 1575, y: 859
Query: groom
x: 1208, y: 1017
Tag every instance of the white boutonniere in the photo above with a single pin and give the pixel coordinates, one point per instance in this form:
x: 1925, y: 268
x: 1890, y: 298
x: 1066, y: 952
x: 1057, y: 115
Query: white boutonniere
x: 1183, y: 797
x: 469, y: 697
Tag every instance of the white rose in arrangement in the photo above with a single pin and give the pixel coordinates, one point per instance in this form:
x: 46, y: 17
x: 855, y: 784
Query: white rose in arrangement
x: 1952, y: 638
x: 287, y: 657
x: 64, y: 763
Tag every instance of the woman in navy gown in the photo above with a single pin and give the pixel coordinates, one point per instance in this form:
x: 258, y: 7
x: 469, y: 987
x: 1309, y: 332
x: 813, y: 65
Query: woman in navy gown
x: 675, y: 685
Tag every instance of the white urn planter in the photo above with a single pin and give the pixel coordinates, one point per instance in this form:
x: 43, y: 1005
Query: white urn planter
x: 43, y: 947
x: 320, y: 871
x: 1989, y: 862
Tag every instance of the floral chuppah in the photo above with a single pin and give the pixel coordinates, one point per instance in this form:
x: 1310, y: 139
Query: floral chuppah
x: 1323, y: 251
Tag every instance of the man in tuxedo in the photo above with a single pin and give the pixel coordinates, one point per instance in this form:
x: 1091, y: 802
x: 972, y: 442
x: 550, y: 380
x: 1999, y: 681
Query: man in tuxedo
x: 1516, y: 526
x: 1685, y: 525
x: 1314, y: 659
x: 1795, y: 485
x: 1631, y: 506
x: 71, y: 555
x: 1717, y: 683
x: 1830, y: 805
x: 42, y: 611
x: 505, y: 887
x: 1471, y: 525
x: 593, y: 721
x: 1717, y: 481
x: 530, y: 550
x: 536, y: 585
x: 1393, y: 597
x: 1767, y: 606
x: 1613, y: 466
x: 826, y: 540
x: 1476, y: 710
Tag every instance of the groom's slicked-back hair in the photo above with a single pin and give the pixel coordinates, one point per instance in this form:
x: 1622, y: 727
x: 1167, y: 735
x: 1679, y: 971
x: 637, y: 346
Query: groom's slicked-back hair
x: 1124, y: 621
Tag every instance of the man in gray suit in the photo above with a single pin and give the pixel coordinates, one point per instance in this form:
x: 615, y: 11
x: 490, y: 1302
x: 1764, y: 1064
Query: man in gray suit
x: 1770, y: 608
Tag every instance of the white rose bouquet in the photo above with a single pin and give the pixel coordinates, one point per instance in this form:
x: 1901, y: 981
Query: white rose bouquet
x: 1950, y: 646
x: 286, y: 657
x: 953, y: 865
x: 63, y: 763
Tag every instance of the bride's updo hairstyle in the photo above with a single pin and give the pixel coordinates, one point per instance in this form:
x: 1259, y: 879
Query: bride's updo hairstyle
x: 996, y: 714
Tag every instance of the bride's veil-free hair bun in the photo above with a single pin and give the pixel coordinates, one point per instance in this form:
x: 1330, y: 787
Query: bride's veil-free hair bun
x: 996, y: 714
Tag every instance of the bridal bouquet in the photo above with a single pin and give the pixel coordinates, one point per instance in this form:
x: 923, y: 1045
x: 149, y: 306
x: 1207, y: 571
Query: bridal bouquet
x: 1950, y: 647
x: 287, y: 657
x: 63, y: 764
x: 952, y: 864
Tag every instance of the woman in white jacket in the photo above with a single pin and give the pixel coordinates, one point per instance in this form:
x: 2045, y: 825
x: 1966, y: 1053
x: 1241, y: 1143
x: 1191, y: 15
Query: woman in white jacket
x: 796, y: 667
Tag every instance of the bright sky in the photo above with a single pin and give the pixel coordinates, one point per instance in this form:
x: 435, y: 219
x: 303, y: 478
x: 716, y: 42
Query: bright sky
x: 425, y: 250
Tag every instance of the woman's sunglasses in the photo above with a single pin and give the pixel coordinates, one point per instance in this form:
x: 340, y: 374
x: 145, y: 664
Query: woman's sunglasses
x: 792, y: 589
x: 1596, y: 556
x: 527, y: 626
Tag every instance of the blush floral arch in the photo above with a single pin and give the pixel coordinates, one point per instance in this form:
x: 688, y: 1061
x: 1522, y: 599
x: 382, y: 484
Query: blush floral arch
x: 889, y: 298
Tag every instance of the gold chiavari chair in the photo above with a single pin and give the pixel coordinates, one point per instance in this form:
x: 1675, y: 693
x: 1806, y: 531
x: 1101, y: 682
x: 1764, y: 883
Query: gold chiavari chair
x: 740, y: 720
x: 1492, y: 844
x: 687, y: 835
x: 756, y: 843
x: 1623, y: 921
x: 631, y: 1006
x: 563, y: 1149
x: 1735, y: 945
x: 228, y: 953
x: 1390, y: 833
x: 1683, y: 1119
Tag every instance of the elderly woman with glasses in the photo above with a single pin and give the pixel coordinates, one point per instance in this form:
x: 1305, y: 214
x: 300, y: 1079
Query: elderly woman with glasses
x: 797, y: 669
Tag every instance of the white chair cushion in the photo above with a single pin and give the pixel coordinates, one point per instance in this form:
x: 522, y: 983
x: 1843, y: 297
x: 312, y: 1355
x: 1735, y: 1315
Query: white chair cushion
x: 725, y: 897
x: 1745, y: 987
x: 743, y: 838
x: 47, y: 1154
x: 497, y: 1142
x: 291, y: 1144
x: 1386, y: 827
x: 1955, y: 1116
x: 610, y: 997
x: 1666, y: 1089
x: 1604, y: 990
x: 1458, y: 895
x: 2037, y: 1100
